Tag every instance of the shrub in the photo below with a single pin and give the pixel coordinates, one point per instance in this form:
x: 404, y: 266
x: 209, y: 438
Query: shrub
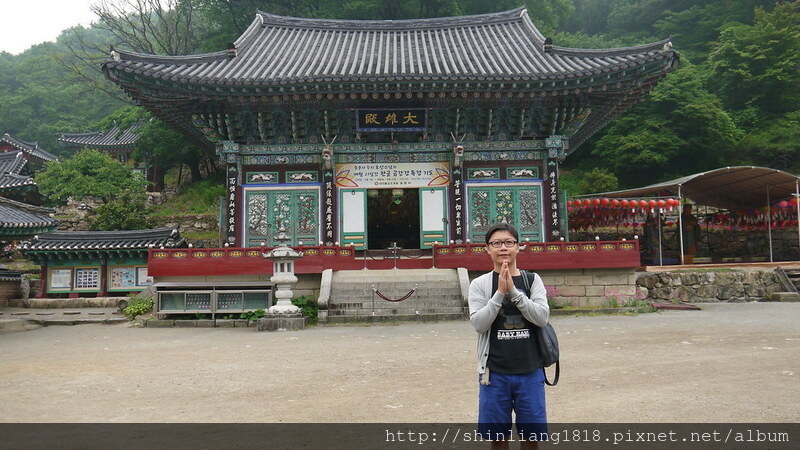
x: 253, y: 315
x: 308, y: 307
x: 138, y: 306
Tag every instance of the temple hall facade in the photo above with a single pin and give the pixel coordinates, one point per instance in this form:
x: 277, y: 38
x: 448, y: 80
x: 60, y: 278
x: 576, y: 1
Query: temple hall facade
x: 404, y: 133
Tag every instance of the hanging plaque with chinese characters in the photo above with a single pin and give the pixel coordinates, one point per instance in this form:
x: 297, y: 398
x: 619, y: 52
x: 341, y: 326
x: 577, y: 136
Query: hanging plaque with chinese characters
x: 231, y: 186
x: 391, y: 120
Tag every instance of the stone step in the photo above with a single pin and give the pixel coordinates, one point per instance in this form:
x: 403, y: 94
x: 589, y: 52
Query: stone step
x: 395, y: 305
x: 396, y: 317
x: 403, y: 310
x: 405, y: 275
x: 345, y: 297
x: 784, y: 297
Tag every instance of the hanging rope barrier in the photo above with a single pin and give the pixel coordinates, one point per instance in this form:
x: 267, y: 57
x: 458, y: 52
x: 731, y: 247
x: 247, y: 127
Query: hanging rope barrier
x: 407, y: 255
x: 380, y: 294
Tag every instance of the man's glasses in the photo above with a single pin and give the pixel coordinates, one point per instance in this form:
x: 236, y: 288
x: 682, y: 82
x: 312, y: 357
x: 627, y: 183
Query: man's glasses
x: 498, y: 244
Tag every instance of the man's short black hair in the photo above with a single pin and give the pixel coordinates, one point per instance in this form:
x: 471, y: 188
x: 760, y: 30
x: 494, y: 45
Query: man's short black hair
x: 502, y: 227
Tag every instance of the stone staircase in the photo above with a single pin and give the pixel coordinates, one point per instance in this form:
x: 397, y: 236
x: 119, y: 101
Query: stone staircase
x: 438, y: 295
x: 790, y: 278
x: 794, y: 277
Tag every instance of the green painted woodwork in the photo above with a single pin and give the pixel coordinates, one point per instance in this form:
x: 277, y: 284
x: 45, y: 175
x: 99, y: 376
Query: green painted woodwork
x: 75, y: 262
x: 432, y: 209
x: 296, y: 211
x: 518, y: 205
x: 353, y: 217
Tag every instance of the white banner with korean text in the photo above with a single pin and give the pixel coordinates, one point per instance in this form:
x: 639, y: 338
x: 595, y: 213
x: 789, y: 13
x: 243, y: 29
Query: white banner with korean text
x: 392, y: 175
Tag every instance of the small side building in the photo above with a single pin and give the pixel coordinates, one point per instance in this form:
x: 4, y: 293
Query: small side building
x: 21, y: 221
x: 119, y: 144
x: 33, y: 154
x: 97, y: 263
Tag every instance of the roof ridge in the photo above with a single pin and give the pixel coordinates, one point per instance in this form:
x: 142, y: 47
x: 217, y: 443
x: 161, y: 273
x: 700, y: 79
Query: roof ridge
x: 664, y: 44
x: 16, y: 140
x: 27, y: 207
x: 119, y: 55
x: 108, y: 234
x: 389, y: 24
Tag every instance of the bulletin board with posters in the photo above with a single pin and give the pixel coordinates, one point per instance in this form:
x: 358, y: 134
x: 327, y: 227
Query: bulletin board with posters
x: 128, y: 278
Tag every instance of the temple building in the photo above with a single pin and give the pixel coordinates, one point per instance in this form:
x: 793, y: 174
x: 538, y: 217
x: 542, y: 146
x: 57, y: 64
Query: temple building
x: 119, y: 144
x: 97, y: 263
x: 34, y: 155
x: 403, y: 133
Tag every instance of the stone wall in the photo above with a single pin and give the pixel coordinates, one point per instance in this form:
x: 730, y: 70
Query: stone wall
x: 714, y: 285
x: 591, y: 287
x: 621, y: 287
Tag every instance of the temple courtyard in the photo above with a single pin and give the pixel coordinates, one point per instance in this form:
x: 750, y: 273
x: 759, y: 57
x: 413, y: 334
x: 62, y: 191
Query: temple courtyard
x: 726, y: 363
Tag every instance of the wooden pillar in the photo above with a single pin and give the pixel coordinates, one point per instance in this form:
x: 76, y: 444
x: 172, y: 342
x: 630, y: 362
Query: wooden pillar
x: 42, y: 280
x: 555, y: 153
x: 103, y: 278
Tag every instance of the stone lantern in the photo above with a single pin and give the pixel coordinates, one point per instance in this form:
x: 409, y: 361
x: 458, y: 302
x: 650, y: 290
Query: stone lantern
x: 283, y: 314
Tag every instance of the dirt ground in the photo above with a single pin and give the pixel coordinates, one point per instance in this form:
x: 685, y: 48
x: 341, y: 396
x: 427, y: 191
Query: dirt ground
x: 726, y: 363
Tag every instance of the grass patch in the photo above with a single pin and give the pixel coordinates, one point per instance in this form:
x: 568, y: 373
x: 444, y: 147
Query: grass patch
x: 201, y: 236
x: 201, y: 197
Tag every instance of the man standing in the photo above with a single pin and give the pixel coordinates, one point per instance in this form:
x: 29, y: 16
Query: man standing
x: 509, y: 364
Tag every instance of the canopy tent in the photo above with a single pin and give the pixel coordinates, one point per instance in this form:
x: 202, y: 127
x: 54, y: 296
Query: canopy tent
x: 733, y: 188
x: 737, y: 187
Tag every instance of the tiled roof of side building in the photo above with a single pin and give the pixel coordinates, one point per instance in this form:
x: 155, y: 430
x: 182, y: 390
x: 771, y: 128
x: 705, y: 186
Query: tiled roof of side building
x: 106, y: 240
x: 504, y: 46
x: 11, y: 165
x: 103, y: 139
x: 28, y: 147
x: 20, y: 215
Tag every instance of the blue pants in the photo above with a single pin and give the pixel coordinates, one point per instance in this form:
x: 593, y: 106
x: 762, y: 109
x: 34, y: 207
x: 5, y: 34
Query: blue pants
x: 523, y: 394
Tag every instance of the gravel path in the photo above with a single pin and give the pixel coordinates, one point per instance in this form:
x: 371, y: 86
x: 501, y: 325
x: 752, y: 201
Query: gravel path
x: 727, y: 363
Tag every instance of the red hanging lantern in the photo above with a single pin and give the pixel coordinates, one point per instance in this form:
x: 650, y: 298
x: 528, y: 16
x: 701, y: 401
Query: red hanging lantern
x: 662, y: 203
x: 625, y: 203
x: 643, y: 203
x: 605, y: 201
x: 783, y: 204
x: 652, y: 203
x: 586, y: 202
x: 596, y: 201
x: 615, y: 203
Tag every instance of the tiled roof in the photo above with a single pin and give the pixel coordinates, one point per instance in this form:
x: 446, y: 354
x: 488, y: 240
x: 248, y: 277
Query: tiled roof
x: 103, y: 139
x: 11, y: 165
x: 105, y: 240
x: 276, y: 50
x: 16, y: 215
x: 9, y: 275
x: 31, y: 148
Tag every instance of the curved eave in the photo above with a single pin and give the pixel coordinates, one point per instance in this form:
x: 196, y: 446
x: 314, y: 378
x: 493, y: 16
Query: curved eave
x: 417, y: 78
x: 280, y: 51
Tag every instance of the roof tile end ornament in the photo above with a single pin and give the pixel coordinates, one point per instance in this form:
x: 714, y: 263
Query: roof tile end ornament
x: 231, y: 50
x: 114, y: 54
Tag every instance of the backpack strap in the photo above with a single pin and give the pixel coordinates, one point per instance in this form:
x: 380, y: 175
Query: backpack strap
x: 528, y: 283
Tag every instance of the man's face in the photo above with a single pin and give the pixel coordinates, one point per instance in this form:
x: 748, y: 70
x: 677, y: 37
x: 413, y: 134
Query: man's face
x: 503, y: 253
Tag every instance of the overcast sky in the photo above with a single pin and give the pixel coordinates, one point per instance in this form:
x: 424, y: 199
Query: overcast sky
x: 30, y: 22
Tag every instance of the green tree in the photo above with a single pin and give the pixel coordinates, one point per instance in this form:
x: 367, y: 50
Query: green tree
x: 757, y: 65
x: 697, y: 27
x: 680, y: 129
x: 777, y: 145
x: 126, y: 212
x: 89, y: 174
x: 579, y: 181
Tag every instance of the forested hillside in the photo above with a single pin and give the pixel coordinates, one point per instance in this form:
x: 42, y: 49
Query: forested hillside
x: 734, y: 100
